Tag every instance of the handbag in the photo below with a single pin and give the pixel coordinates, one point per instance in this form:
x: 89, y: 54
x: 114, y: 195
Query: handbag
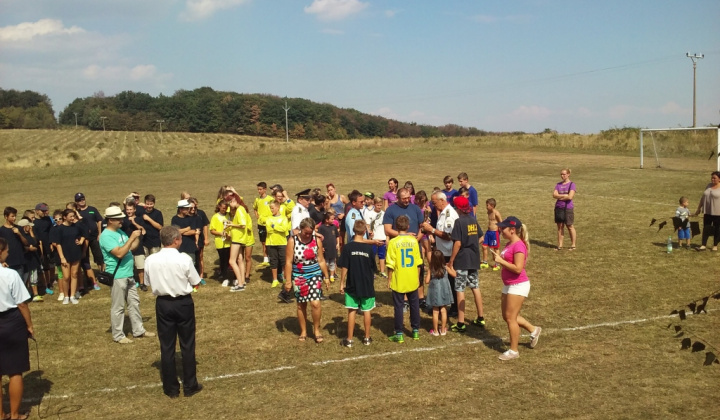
x: 106, y: 278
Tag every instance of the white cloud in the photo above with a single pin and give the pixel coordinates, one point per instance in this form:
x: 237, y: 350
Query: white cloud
x: 141, y: 72
x: 333, y: 32
x: 26, y: 31
x: 493, y: 19
x: 391, y: 13
x: 532, y: 112
x: 202, y: 9
x: 671, y: 108
x: 335, y: 9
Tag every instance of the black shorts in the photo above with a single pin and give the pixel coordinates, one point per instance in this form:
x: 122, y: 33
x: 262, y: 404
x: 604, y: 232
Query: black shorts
x: 564, y: 216
x: 262, y: 233
x: 276, y: 256
x: 94, y: 247
x: 14, y: 355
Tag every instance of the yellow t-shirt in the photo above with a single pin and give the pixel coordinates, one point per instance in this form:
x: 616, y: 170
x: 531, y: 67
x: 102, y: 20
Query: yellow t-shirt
x: 277, y: 230
x: 216, y: 224
x: 286, y: 209
x: 404, y: 258
x: 262, y: 207
x: 244, y: 235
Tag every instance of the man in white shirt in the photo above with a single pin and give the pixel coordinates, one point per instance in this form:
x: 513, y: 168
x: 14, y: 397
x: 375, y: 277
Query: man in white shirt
x: 442, y: 230
x: 300, y: 211
x: 171, y: 276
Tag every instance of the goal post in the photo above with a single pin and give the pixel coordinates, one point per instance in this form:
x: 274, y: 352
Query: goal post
x: 651, y: 131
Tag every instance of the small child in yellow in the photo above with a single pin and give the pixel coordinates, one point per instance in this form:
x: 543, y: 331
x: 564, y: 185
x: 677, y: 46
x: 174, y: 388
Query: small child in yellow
x: 403, y: 262
x: 277, y: 226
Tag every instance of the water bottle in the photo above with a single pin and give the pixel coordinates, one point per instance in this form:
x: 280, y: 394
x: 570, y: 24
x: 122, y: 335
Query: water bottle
x: 669, y: 244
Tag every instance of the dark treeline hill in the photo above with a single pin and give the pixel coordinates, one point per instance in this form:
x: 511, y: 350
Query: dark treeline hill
x: 205, y: 110
x: 26, y: 109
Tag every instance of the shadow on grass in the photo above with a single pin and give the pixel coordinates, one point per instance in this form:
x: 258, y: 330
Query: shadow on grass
x: 127, y: 325
x: 542, y: 244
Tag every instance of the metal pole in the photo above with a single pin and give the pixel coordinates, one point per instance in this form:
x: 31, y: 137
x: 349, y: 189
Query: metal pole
x: 287, y: 133
x: 694, y: 58
x: 75, y: 119
x: 103, y: 120
x: 641, y: 149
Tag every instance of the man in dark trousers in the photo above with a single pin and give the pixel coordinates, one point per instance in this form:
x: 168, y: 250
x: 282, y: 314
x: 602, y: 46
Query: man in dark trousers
x: 171, y: 275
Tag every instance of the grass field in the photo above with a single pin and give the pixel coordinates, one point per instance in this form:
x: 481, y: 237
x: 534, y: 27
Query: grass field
x: 606, y: 351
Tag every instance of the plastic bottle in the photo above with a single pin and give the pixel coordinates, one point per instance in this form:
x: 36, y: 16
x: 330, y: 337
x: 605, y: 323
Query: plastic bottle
x: 669, y: 244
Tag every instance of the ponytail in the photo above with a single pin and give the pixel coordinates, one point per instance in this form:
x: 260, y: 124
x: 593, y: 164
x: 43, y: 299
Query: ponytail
x: 524, y: 236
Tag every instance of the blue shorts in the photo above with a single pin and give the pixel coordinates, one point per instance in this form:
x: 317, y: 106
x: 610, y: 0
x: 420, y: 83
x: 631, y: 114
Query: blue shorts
x: 380, y: 251
x: 492, y: 239
x: 684, y: 233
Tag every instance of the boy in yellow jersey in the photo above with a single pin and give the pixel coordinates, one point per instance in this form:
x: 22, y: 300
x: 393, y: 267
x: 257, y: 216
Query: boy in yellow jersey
x: 403, y: 261
x: 262, y: 212
x: 277, y: 230
x: 284, y: 202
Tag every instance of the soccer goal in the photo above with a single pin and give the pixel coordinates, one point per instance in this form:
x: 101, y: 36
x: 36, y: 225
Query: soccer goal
x: 665, y: 143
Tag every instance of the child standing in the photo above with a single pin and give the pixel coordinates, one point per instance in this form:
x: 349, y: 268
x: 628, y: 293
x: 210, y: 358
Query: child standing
x: 357, y: 262
x: 491, y: 239
x: 373, y: 219
x: 439, y: 294
x: 403, y: 263
x: 471, y: 191
x: 277, y: 226
x: 684, y: 231
x: 331, y: 242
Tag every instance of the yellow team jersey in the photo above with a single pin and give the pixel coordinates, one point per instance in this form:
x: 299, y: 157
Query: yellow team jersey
x: 244, y: 235
x: 217, y: 224
x: 404, y: 258
x: 277, y: 230
x: 262, y: 207
x: 286, y: 209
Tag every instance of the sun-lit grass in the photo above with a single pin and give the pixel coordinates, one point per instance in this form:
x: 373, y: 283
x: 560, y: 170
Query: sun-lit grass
x: 248, y: 354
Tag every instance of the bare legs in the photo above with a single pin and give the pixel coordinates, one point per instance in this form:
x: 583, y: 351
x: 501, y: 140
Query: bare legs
x: 15, y: 391
x: 440, y: 316
x: 561, y: 234
x: 316, y: 311
x: 237, y: 263
x: 511, y: 305
x: 351, y: 323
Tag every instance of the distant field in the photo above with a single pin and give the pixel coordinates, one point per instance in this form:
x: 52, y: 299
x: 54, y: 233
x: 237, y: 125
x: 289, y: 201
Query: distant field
x: 605, y: 352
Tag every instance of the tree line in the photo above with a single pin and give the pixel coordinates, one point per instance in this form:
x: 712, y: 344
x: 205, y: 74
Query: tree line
x: 205, y: 110
x: 26, y: 109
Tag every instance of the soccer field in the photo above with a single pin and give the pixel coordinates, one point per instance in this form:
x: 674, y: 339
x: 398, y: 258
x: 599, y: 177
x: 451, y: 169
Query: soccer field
x: 606, y: 351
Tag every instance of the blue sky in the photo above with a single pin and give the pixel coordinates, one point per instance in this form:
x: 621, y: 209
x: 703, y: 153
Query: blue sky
x: 572, y: 66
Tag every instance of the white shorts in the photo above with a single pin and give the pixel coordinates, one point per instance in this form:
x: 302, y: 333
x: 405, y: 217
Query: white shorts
x: 520, y: 289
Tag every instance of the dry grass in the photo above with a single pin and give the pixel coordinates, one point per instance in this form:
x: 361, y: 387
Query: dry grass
x: 254, y: 367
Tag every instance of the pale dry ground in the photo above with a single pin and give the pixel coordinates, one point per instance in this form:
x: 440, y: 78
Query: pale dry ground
x: 620, y: 272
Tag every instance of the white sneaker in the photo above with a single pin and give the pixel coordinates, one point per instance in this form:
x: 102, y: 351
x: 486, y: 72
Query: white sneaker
x: 509, y: 355
x: 66, y: 301
x: 225, y: 283
x: 535, y: 336
x: 61, y: 296
x: 74, y: 301
x: 235, y: 282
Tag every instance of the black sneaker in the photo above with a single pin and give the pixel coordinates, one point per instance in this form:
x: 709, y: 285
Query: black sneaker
x: 285, y: 296
x: 143, y: 288
x: 423, y: 304
x: 346, y: 343
x: 406, y: 307
x: 367, y: 341
x: 461, y: 328
x: 479, y: 322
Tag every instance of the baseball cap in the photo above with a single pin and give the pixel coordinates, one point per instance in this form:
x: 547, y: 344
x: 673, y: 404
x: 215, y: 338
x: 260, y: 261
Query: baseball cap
x: 462, y: 203
x: 368, y: 194
x: 79, y: 197
x: 510, y: 221
x: 41, y: 207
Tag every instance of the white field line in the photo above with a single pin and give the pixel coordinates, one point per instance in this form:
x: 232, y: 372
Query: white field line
x: 350, y: 359
x: 629, y: 199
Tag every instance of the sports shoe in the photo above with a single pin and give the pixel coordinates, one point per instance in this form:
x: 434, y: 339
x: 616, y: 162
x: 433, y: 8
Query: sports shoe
x: 367, y: 341
x: 406, y: 307
x: 124, y: 340
x: 225, y: 283
x: 496, y: 267
x: 96, y: 286
x: 38, y: 298
x: 61, y: 296
x: 383, y: 275
x: 332, y: 279
x: 535, y: 337
x: 443, y: 332
x: 237, y: 289
x: 479, y: 322
x: 461, y: 328
x: 509, y: 355
x: 73, y: 300
x: 423, y: 304
x: 346, y: 343
x: 66, y: 301
x: 397, y: 338
x: 143, y: 287
x: 484, y: 265
x: 78, y: 295
x: 275, y: 283
x: 416, y: 335
x: 195, y: 289
x: 146, y: 334
x: 285, y: 296
x: 434, y: 333
x: 49, y: 292
x: 203, y: 282
x: 137, y: 285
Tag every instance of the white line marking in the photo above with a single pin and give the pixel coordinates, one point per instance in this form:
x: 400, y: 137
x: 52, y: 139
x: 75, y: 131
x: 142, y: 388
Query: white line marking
x: 354, y: 358
x: 629, y: 199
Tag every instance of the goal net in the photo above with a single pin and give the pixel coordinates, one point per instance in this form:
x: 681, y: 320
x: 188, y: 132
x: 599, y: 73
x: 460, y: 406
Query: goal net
x: 695, y: 148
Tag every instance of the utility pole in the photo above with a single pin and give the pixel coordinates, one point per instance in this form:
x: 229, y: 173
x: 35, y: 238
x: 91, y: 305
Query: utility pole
x: 75, y: 119
x: 694, y: 58
x: 287, y: 133
x: 161, y: 123
x: 103, y: 120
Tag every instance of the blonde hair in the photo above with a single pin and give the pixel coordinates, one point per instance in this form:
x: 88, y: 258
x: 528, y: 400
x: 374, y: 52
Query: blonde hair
x: 566, y: 170
x: 524, y: 236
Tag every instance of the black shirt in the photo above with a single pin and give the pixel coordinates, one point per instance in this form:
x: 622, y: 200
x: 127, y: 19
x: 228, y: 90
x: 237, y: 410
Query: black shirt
x: 32, y: 258
x: 152, y: 235
x: 359, y: 259
x: 203, y: 221
x: 467, y: 232
x: 16, y: 249
x: 129, y: 227
x: 42, y: 232
x: 188, y: 242
x: 330, y: 234
x: 91, y: 216
x: 67, y: 236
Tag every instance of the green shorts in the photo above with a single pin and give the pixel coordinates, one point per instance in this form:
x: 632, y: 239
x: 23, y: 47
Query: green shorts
x: 365, y: 304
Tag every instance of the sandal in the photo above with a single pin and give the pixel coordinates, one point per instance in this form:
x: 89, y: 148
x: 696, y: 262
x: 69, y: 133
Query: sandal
x: 302, y: 338
x: 572, y: 248
x: 702, y: 248
x: 319, y: 339
x: 559, y: 248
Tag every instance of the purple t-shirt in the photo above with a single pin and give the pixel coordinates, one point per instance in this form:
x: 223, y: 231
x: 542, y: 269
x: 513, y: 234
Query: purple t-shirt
x: 391, y: 197
x: 564, y: 189
x: 508, y: 277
